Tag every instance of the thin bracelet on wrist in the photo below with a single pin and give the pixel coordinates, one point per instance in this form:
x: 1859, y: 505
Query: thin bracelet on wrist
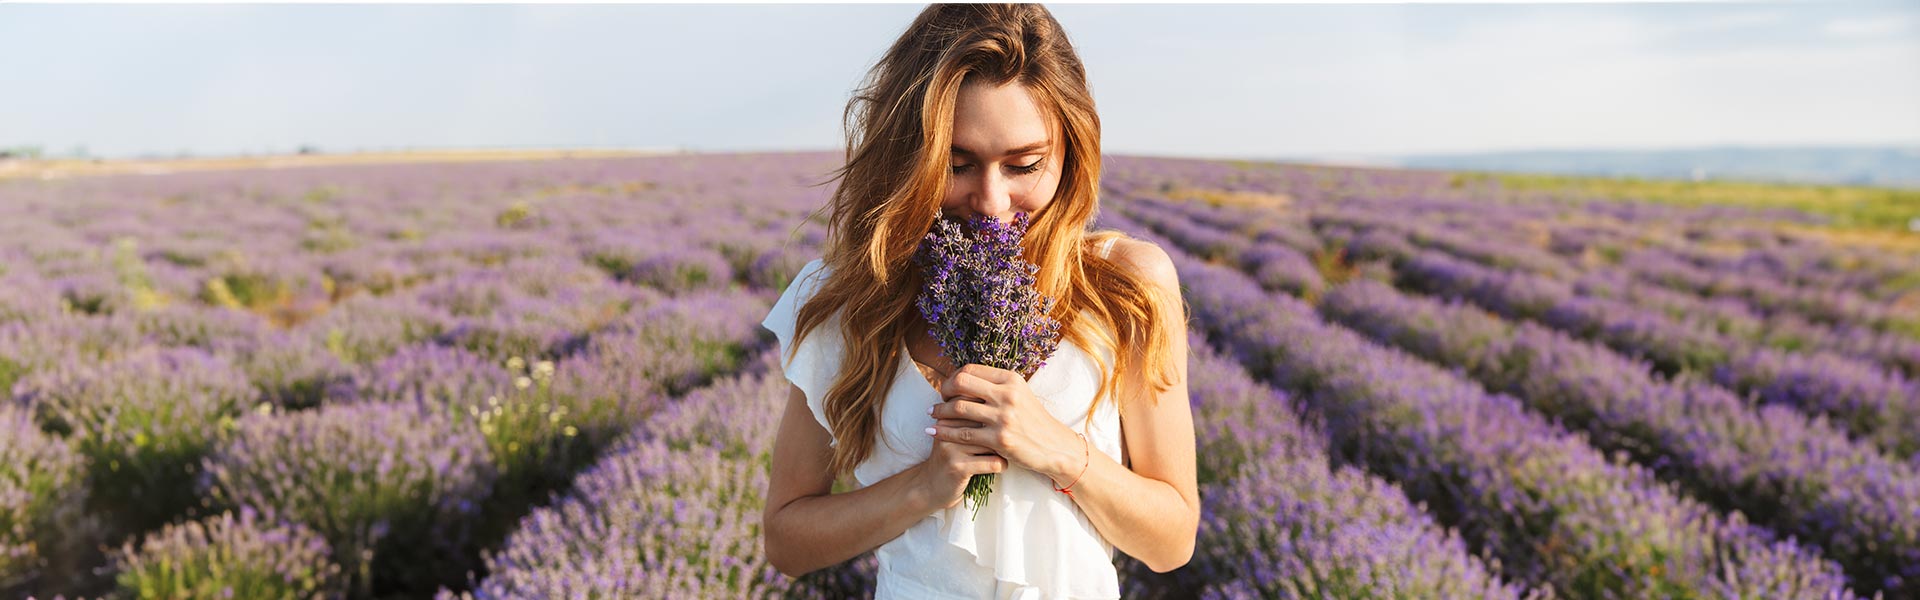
x: 1088, y: 456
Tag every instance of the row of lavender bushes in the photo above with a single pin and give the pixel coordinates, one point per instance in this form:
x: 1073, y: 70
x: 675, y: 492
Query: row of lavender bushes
x: 1800, y: 475
x: 1875, y: 402
x: 220, y: 378
x: 1555, y: 511
x: 440, y: 452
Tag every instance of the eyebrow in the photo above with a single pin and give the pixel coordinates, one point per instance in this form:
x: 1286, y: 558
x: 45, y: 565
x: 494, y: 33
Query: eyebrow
x: 1014, y: 152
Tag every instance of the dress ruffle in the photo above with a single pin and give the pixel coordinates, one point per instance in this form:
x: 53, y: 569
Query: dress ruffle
x: 1023, y: 507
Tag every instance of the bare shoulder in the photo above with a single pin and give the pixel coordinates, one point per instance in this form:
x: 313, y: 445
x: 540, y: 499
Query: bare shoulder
x: 1150, y: 260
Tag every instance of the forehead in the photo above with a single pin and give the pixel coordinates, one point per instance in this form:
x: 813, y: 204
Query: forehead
x: 991, y: 119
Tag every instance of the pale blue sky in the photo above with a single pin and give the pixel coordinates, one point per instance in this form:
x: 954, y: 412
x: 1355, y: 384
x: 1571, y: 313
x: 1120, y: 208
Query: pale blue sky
x: 1192, y: 80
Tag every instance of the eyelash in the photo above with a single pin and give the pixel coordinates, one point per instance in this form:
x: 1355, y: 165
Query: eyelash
x: 1026, y: 170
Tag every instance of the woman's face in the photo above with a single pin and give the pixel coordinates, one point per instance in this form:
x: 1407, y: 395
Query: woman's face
x: 1001, y: 162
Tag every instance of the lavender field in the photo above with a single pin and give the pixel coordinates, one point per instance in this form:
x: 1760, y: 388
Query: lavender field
x: 547, y: 379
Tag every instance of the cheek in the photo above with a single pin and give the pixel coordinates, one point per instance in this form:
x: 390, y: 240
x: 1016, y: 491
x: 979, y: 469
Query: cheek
x: 956, y: 196
x: 1042, y: 193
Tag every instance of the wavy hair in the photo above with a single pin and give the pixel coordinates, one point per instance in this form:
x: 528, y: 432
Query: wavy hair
x: 899, y: 128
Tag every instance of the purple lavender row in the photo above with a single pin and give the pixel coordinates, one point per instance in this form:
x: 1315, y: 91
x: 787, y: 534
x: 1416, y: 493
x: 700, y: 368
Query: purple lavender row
x: 1872, y: 403
x: 1757, y: 277
x: 1279, y: 521
x: 1485, y: 211
x: 545, y: 421
x: 1799, y: 280
x: 43, y: 489
x: 1826, y: 508
x: 1275, y: 261
x: 143, y: 421
x: 1265, y: 224
x: 1836, y: 307
x: 395, y: 490
x: 1555, y: 512
x: 1797, y: 475
x: 1732, y: 317
x: 1477, y: 248
x: 228, y: 556
x: 542, y: 418
x: 1868, y: 401
x: 1766, y: 253
x: 1767, y: 299
x: 1797, y: 258
x: 667, y: 347
x: 673, y: 511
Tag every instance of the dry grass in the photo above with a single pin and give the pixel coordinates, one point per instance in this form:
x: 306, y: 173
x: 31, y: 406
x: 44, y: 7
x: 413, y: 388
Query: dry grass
x: 1218, y: 197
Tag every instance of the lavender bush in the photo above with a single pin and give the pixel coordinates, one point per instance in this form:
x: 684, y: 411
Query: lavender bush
x: 226, y: 556
x: 673, y: 511
x: 391, y: 487
x: 43, y: 491
x: 144, y: 422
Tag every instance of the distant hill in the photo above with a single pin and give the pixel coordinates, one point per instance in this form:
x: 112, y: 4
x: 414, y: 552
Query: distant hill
x: 1886, y: 166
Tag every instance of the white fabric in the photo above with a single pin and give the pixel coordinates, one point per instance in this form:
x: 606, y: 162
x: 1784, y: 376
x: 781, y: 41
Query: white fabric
x: 1029, y: 542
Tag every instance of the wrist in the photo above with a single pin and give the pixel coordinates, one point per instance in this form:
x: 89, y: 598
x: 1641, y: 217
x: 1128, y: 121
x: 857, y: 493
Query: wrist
x: 1070, y: 460
x: 919, y: 495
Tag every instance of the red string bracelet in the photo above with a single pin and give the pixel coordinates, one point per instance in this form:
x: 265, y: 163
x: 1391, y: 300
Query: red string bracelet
x: 1083, y: 468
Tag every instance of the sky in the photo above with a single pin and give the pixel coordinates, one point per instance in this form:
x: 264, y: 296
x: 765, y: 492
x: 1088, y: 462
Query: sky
x: 1216, y: 80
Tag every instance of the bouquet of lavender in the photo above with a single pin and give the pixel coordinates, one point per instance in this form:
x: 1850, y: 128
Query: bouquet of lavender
x: 981, y: 305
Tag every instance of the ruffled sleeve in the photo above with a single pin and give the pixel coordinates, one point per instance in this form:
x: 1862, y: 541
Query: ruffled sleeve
x: 813, y: 365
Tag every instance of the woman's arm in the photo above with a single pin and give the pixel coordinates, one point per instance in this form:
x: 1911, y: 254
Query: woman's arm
x: 1151, y: 512
x: 807, y: 527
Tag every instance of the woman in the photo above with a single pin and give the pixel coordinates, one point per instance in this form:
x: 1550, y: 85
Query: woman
x: 980, y: 110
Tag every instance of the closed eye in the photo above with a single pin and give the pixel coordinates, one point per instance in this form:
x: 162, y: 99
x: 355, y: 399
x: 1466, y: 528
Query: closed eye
x: 1020, y: 170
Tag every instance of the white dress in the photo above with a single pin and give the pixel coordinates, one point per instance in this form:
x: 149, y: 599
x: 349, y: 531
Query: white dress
x: 1029, y: 542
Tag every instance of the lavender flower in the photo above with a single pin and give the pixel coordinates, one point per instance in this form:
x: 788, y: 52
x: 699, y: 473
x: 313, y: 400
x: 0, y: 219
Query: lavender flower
x: 244, y: 556
x: 981, y: 306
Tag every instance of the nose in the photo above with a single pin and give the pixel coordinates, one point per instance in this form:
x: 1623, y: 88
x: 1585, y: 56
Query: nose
x: 992, y: 196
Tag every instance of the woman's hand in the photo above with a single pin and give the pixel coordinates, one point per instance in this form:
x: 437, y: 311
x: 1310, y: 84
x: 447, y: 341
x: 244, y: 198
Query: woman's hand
x: 1011, y: 421
x: 945, y: 472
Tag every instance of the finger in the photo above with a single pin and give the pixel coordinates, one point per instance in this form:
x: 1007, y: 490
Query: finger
x: 978, y: 436
x: 985, y: 464
x: 959, y: 423
x: 959, y: 449
x: 968, y: 386
x: 965, y: 409
x: 993, y: 375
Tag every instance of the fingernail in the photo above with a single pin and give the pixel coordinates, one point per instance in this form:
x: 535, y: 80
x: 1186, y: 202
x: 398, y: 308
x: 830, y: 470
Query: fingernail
x: 929, y: 431
x: 930, y: 410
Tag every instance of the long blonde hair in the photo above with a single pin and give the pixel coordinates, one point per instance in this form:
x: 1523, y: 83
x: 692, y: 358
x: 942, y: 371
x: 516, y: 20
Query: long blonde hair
x: 899, y: 131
